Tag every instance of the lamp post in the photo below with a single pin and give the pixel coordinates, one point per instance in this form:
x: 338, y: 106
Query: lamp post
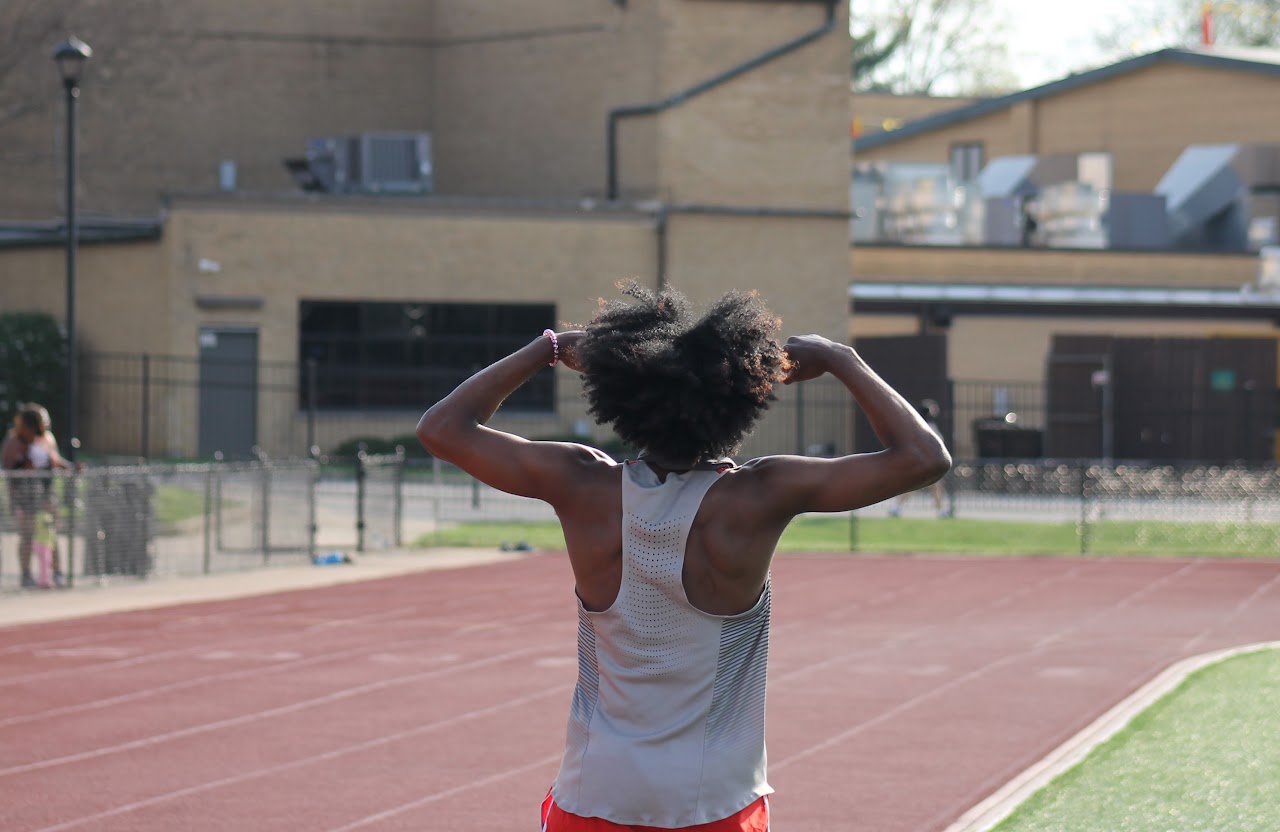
x: 70, y: 57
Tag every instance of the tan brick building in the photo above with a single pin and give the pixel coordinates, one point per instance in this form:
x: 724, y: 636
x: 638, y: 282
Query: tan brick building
x: 1000, y: 312
x: 730, y: 171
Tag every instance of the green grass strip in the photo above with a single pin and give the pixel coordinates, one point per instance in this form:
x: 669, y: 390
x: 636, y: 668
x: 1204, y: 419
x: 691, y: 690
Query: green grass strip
x: 173, y: 504
x: 1205, y: 757
x: 829, y: 533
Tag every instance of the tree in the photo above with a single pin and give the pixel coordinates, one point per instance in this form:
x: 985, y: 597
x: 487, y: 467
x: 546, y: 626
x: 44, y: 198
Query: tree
x: 1177, y: 23
x: 923, y: 47
x: 869, y: 52
x: 33, y: 363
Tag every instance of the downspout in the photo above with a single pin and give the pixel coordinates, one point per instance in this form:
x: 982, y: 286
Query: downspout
x: 630, y: 110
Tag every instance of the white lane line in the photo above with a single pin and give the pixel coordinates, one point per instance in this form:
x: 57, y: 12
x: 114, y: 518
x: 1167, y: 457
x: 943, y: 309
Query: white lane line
x: 1244, y: 604
x: 323, y: 757
x: 147, y: 658
x: 447, y: 793
x: 932, y: 693
x: 920, y: 632
x: 197, y: 681
x: 69, y: 640
x: 231, y: 675
x: 244, y: 719
x: 1010, y: 778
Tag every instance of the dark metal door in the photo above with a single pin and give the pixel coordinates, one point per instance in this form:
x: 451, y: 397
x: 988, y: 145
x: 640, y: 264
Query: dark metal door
x: 1078, y: 413
x: 1161, y: 398
x: 228, y: 392
x: 915, y: 366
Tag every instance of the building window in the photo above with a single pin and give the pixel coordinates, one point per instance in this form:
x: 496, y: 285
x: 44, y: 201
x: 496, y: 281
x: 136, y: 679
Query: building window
x: 966, y: 161
x: 396, y: 356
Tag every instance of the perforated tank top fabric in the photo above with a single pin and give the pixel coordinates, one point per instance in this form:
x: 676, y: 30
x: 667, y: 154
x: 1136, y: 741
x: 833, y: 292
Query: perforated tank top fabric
x: 667, y: 722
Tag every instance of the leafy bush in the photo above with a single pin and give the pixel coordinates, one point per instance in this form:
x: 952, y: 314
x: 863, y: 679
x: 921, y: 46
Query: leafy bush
x: 380, y: 445
x: 33, y: 364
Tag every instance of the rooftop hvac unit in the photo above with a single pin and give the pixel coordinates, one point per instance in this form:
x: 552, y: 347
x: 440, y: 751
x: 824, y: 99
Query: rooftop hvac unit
x: 370, y: 163
x: 1269, y: 270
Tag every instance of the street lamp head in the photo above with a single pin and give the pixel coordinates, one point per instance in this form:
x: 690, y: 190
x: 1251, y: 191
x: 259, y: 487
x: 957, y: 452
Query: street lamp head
x: 70, y: 57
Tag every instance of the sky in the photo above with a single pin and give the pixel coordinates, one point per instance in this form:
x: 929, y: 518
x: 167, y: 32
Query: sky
x: 1049, y: 39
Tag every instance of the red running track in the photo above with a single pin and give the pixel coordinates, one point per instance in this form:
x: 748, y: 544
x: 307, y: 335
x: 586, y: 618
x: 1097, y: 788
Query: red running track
x: 903, y: 691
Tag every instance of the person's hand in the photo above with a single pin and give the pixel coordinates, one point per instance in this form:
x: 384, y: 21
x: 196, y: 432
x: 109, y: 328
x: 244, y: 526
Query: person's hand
x: 808, y: 357
x: 569, y: 341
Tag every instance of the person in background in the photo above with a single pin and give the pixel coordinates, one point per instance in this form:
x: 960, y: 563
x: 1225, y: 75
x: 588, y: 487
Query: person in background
x: 30, y: 446
x: 929, y: 411
x: 671, y: 551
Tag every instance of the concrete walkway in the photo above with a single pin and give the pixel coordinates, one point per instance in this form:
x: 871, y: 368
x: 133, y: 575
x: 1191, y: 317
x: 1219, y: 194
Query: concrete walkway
x: 90, y: 597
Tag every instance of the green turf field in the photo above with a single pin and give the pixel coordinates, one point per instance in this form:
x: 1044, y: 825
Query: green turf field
x: 173, y: 504
x: 1203, y: 758
x: 947, y: 536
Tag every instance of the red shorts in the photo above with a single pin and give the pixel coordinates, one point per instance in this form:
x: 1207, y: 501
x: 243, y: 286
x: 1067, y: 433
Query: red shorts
x: 754, y: 818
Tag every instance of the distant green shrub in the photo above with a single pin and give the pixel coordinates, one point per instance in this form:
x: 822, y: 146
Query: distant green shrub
x: 33, y: 364
x: 380, y: 445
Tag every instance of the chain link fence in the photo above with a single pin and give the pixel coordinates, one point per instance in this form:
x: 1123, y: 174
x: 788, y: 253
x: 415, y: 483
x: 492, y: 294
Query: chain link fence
x: 135, y: 522
x: 1129, y: 507
x: 116, y: 522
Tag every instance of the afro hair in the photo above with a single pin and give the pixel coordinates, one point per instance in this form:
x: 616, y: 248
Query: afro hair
x: 679, y: 386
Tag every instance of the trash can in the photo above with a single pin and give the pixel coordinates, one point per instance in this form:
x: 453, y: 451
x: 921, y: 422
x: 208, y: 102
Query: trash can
x: 117, y: 525
x: 997, y: 437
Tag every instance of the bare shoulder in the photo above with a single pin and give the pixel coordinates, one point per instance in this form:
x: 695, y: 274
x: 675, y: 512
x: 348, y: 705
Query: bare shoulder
x: 760, y: 478
x: 588, y: 485
x: 586, y: 466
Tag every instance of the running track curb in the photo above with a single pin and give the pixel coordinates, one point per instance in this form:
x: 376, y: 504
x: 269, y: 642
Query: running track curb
x: 1004, y: 801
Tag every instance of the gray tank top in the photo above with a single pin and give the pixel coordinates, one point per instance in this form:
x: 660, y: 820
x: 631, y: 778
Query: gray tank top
x: 667, y: 723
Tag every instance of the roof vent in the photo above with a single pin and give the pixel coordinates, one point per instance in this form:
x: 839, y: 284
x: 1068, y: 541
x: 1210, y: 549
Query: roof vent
x: 370, y: 163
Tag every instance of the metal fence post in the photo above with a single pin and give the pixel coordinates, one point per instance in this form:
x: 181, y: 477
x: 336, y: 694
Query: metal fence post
x: 398, y: 511
x: 208, y: 519
x: 146, y: 406
x: 73, y: 490
x: 266, y: 511
x: 217, y: 505
x: 312, y: 377
x: 313, y: 476
x: 360, y: 475
x: 1084, y: 509
x: 853, y: 532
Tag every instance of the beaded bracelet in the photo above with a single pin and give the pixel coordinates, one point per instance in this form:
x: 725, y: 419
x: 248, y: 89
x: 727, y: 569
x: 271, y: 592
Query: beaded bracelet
x: 555, y: 345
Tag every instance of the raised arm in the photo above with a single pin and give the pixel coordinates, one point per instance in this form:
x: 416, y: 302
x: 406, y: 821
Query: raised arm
x: 454, y: 429
x: 914, y: 455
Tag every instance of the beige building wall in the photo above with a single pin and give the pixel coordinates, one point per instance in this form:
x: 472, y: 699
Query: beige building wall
x: 516, y: 100
x: 926, y: 264
x: 776, y: 136
x: 121, y: 302
x: 1145, y: 118
x: 515, y: 97
x: 284, y: 253
x: 210, y: 80
x: 526, y: 114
